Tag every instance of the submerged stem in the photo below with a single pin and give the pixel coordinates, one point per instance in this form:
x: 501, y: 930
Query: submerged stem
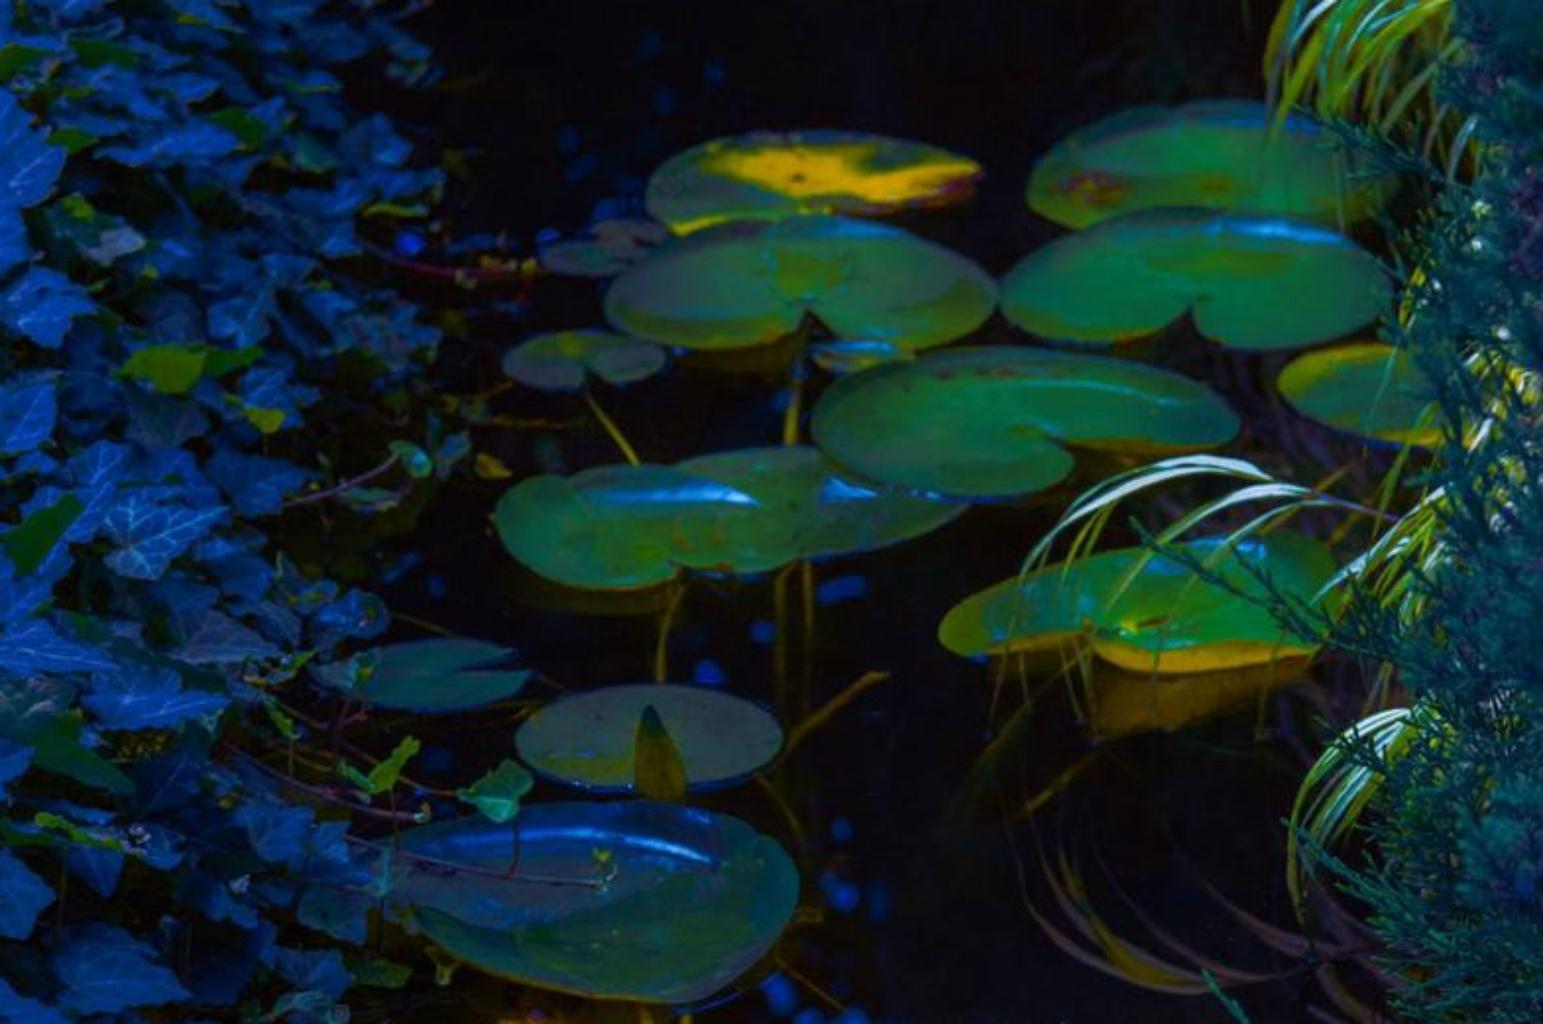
x: 628, y: 452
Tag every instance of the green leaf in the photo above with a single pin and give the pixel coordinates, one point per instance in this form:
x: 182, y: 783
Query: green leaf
x: 659, y: 773
x: 30, y: 541
x: 174, y: 369
x: 57, y: 749
x: 497, y: 794
x: 414, y: 460
x: 377, y: 973
x: 384, y: 775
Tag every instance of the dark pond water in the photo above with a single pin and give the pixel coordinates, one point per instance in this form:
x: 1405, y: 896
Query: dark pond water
x: 918, y: 889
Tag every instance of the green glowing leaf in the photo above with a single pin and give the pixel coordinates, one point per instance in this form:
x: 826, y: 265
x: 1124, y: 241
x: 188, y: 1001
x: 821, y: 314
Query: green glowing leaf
x: 1367, y: 388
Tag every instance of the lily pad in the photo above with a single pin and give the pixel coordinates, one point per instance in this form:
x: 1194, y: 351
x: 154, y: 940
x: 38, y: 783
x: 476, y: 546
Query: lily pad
x: 1250, y: 282
x: 1217, y: 154
x: 745, y: 511
x: 851, y: 355
x: 586, y: 739
x: 771, y: 175
x: 605, y: 250
x: 1366, y: 388
x: 637, y: 900
x: 561, y: 361
x: 1164, y: 620
x: 977, y: 423
x: 441, y: 676
x: 750, y: 283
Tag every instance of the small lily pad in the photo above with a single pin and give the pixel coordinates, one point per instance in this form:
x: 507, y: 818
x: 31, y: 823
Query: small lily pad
x: 1250, y: 282
x: 605, y: 250
x: 744, y: 511
x: 978, y: 423
x: 771, y: 175
x: 1164, y: 620
x: 651, y: 902
x: 441, y: 676
x: 561, y: 361
x: 851, y: 355
x: 751, y: 283
x: 1217, y: 154
x: 1366, y: 388
x: 586, y: 739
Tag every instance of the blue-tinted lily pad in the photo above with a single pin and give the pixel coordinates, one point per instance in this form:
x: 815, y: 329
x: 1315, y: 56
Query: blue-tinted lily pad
x: 562, y: 360
x: 441, y: 676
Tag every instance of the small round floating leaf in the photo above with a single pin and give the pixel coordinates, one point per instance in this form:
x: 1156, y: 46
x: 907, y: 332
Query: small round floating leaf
x: 1216, y: 154
x: 605, y: 250
x: 1367, y: 388
x: 636, y: 900
x: 979, y: 423
x: 748, y: 283
x: 441, y: 676
x: 561, y: 361
x: 588, y: 739
x: 1150, y: 613
x: 1250, y: 282
x: 771, y: 175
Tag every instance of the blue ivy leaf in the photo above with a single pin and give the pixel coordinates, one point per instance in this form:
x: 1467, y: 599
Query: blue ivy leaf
x: 28, y: 409
x: 16, y: 1009
x: 41, y: 305
x: 149, y: 535
x: 193, y: 141
x: 15, y: 247
x: 277, y: 832
x: 313, y: 970
x: 255, y: 485
x: 14, y: 759
x: 144, y: 697
x: 106, y: 970
x: 23, y: 896
x: 221, y: 640
x: 342, y: 914
x: 29, y: 166
x: 36, y: 646
x: 98, y: 868
x: 243, y: 317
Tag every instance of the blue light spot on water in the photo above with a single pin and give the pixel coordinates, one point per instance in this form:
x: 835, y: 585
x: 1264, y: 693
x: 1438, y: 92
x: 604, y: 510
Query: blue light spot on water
x: 709, y: 673
x: 763, y: 632
x: 434, y: 760
x: 438, y: 588
x: 844, y: 897
x: 714, y: 73
x: 781, y: 995
x: 548, y: 235
x: 878, y: 903
x: 649, y: 44
x: 810, y: 1017
x: 567, y: 140
x: 851, y: 1017
x: 841, y: 588
x: 664, y: 101
x: 841, y: 830
x: 409, y: 243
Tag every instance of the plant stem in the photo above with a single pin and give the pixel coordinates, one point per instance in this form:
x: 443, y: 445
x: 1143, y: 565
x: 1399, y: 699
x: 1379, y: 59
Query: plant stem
x: 339, y: 488
x: 628, y: 452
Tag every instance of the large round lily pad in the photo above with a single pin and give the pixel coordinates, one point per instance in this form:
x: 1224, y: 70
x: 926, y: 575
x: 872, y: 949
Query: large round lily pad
x: 771, y: 175
x: 1367, y: 388
x: 562, y: 360
x: 636, y: 900
x: 990, y: 422
x: 1166, y: 619
x: 1218, y: 154
x: 750, y: 283
x: 587, y: 739
x: 1251, y: 282
x: 440, y: 676
x: 748, y: 511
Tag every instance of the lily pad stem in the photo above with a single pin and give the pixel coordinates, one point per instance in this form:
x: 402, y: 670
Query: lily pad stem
x: 628, y: 452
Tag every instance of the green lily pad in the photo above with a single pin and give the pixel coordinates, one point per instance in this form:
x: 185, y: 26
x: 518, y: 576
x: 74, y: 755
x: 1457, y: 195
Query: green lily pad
x: 441, y: 676
x: 747, y: 511
x: 636, y: 900
x: 586, y: 739
x: 605, y: 250
x: 977, y: 423
x: 561, y: 361
x: 1216, y: 154
x: 750, y: 283
x: 1250, y: 282
x: 1366, y: 388
x: 771, y: 175
x: 852, y: 355
x: 1165, y: 620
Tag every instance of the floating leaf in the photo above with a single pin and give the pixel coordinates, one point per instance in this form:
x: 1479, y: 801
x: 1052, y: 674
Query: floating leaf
x: 597, y: 739
x: 498, y: 793
x: 637, y: 900
x: 1218, y: 154
x: 990, y: 422
x: 441, y: 676
x: 605, y: 250
x: 1367, y: 388
x: 747, y: 511
x: 1150, y: 613
x: 561, y: 361
x: 750, y: 283
x: 657, y: 771
x: 772, y: 175
x: 854, y: 355
x: 1236, y: 274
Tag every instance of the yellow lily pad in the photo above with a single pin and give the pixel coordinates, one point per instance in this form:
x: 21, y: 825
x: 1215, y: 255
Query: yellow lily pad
x: 1367, y: 388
